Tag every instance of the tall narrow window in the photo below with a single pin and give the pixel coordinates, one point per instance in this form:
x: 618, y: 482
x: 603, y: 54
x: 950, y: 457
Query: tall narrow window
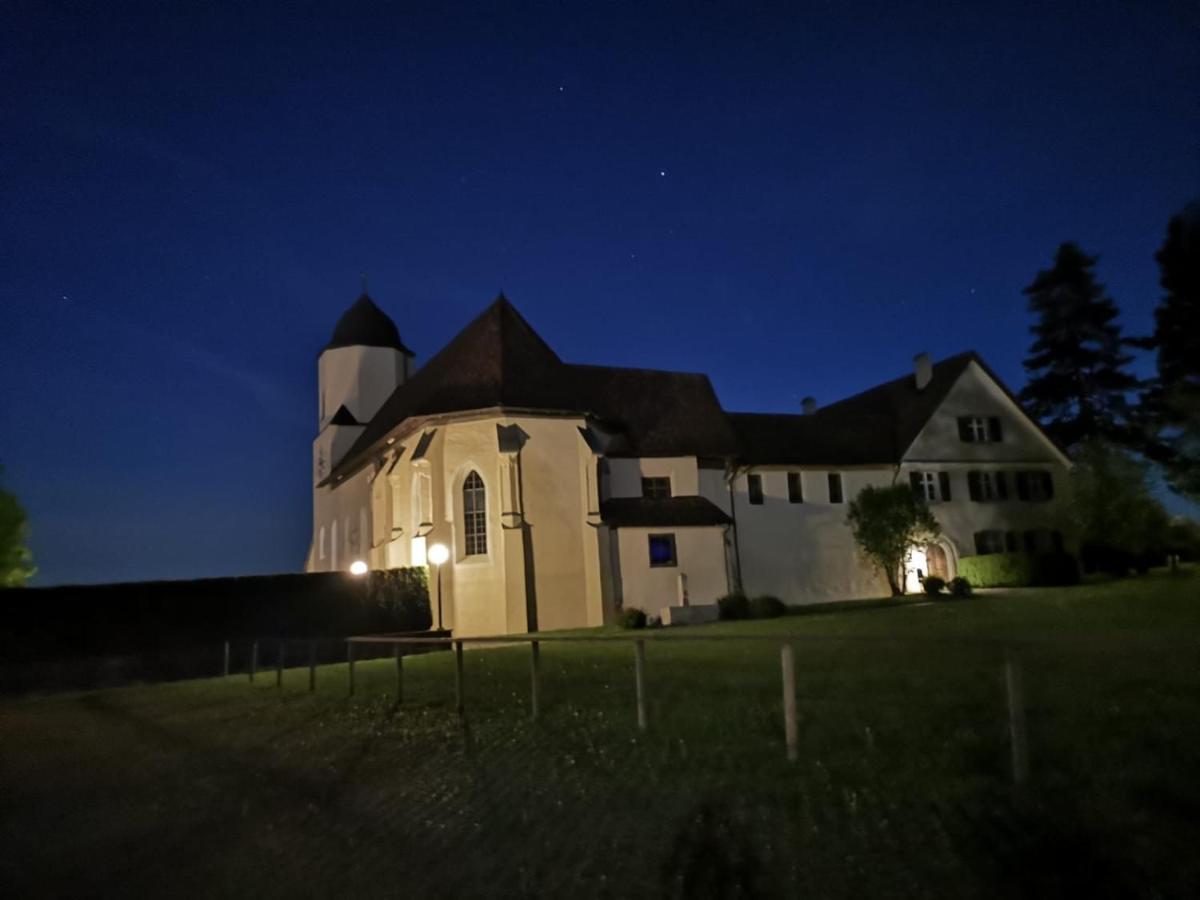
x: 835, y: 487
x: 795, y: 488
x: 322, y: 554
x: 754, y: 488
x: 474, y: 516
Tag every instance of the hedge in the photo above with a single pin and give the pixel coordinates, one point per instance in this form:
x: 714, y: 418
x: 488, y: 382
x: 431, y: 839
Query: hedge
x: 997, y: 570
x: 112, y: 619
x: 1020, y: 570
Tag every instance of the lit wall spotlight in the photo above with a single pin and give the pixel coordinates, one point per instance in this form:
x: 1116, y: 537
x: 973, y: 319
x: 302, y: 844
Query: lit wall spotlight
x: 438, y: 554
x: 358, y: 567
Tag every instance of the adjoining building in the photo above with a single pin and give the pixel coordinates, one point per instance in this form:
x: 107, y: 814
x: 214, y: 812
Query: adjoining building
x: 565, y: 493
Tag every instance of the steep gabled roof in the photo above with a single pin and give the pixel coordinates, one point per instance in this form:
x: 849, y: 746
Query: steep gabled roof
x: 498, y: 360
x: 366, y: 325
x: 874, y: 427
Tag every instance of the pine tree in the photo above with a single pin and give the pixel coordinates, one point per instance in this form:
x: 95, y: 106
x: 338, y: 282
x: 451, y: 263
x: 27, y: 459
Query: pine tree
x: 1076, y: 365
x: 1173, y: 400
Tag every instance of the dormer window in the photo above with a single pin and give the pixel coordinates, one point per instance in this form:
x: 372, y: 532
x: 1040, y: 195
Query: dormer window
x: 980, y: 429
x: 657, y: 488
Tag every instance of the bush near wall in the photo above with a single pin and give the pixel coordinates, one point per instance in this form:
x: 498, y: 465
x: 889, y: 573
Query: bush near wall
x: 1020, y: 570
x: 997, y: 570
x: 136, y: 618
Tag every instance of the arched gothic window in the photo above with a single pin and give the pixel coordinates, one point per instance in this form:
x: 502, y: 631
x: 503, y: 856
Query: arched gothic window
x: 474, y: 516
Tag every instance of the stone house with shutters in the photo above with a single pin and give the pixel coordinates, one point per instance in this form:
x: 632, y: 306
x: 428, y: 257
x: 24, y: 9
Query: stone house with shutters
x: 564, y: 493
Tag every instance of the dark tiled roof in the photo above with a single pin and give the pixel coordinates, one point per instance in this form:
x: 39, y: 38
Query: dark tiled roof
x: 647, y: 512
x: 874, y: 427
x: 366, y: 325
x: 499, y: 360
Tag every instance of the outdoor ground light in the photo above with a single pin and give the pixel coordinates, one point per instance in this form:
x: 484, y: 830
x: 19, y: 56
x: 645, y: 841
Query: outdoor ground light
x: 358, y: 567
x: 437, y: 555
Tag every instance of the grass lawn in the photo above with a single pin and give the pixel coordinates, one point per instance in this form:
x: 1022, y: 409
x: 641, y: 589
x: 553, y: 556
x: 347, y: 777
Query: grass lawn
x: 902, y: 789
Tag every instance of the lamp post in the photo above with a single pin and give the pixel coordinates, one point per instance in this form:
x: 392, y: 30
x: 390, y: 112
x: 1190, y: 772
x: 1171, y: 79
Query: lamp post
x: 437, y: 555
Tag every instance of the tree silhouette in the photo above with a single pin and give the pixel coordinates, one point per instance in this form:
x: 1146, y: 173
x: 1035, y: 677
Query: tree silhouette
x: 1078, y: 385
x: 1172, y: 403
x: 16, y: 562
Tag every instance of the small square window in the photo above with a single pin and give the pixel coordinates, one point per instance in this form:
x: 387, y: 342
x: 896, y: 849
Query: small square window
x: 835, y: 487
x: 754, y: 488
x: 662, y: 550
x: 658, y: 488
x: 795, y: 488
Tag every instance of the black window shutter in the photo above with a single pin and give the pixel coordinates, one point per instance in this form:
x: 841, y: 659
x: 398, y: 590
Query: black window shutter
x: 994, y: 431
x: 1022, y: 485
x: 973, y: 485
x: 1030, y: 541
x: 1047, y: 485
x: 1001, y: 486
x: 1010, y: 541
x: 964, y: 429
x: 980, y: 542
x: 944, y: 485
x: 914, y: 478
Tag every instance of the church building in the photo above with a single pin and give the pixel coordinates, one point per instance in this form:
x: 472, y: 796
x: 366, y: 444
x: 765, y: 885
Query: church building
x: 560, y: 494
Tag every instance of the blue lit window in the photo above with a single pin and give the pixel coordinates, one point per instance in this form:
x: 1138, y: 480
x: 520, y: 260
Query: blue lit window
x: 662, y: 550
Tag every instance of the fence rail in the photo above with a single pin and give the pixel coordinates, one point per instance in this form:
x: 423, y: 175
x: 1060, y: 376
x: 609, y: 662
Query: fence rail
x: 1013, y: 673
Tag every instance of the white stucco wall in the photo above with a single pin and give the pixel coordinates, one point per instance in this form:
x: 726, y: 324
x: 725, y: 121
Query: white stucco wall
x: 360, y: 378
x: 625, y: 475
x: 700, y: 554
x: 804, y: 552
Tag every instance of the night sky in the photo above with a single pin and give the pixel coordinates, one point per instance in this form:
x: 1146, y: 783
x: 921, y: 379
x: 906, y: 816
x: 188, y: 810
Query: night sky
x: 793, y: 203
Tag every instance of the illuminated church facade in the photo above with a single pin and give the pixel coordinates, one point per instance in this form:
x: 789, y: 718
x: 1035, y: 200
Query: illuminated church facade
x: 563, y: 493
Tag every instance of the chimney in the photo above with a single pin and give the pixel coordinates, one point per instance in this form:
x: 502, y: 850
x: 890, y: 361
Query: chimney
x: 809, y: 405
x: 923, y: 370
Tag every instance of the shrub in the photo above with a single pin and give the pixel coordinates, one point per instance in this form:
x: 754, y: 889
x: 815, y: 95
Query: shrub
x: 767, y: 607
x: 960, y: 587
x: 733, y: 606
x: 632, y: 618
x: 933, y: 585
x: 1055, y: 570
x: 997, y: 569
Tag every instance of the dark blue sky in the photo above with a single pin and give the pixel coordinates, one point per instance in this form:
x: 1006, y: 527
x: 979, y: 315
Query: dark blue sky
x: 794, y: 202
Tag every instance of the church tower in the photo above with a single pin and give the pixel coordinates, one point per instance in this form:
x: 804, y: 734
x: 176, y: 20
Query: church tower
x: 360, y: 367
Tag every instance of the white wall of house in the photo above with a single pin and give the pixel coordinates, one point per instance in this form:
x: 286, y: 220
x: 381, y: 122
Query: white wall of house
x: 625, y: 475
x: 803, y: 552
x: 700, y: 555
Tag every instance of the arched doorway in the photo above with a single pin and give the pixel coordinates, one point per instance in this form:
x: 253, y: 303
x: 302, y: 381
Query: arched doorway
x: 938, y: 561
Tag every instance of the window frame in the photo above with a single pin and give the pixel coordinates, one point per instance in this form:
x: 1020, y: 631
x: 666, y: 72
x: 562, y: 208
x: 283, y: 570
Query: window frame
x: 795, y: 487
x: 474, y: 506
x: 835, y: 486
x: 669, y: 538
x: 652, y: 485
x: 754, y: 489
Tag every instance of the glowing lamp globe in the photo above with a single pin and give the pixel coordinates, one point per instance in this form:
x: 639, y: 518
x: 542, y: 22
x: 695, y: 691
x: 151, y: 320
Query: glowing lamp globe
x: 358, y: 567
x: 438, y: 554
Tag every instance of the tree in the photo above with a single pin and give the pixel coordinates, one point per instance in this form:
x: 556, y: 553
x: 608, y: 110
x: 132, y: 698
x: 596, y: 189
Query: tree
x: 16, y: 562
x: 888, y: 522
x: 1172, y: 403
x: 1111, y: 508
x: 1076, y: 365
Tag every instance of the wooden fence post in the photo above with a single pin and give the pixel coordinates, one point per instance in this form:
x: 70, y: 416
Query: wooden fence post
x: 399, y: 674
x: 350, y: 664
x: 458, y: 677
x: 1015, y: 682
x: 534, y: 664
x: 787, y: 660
x: 225, y: 669
x: 639, y: 671
x: 312, y: 665
x: 279, y: 664
x: 253, y: 660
